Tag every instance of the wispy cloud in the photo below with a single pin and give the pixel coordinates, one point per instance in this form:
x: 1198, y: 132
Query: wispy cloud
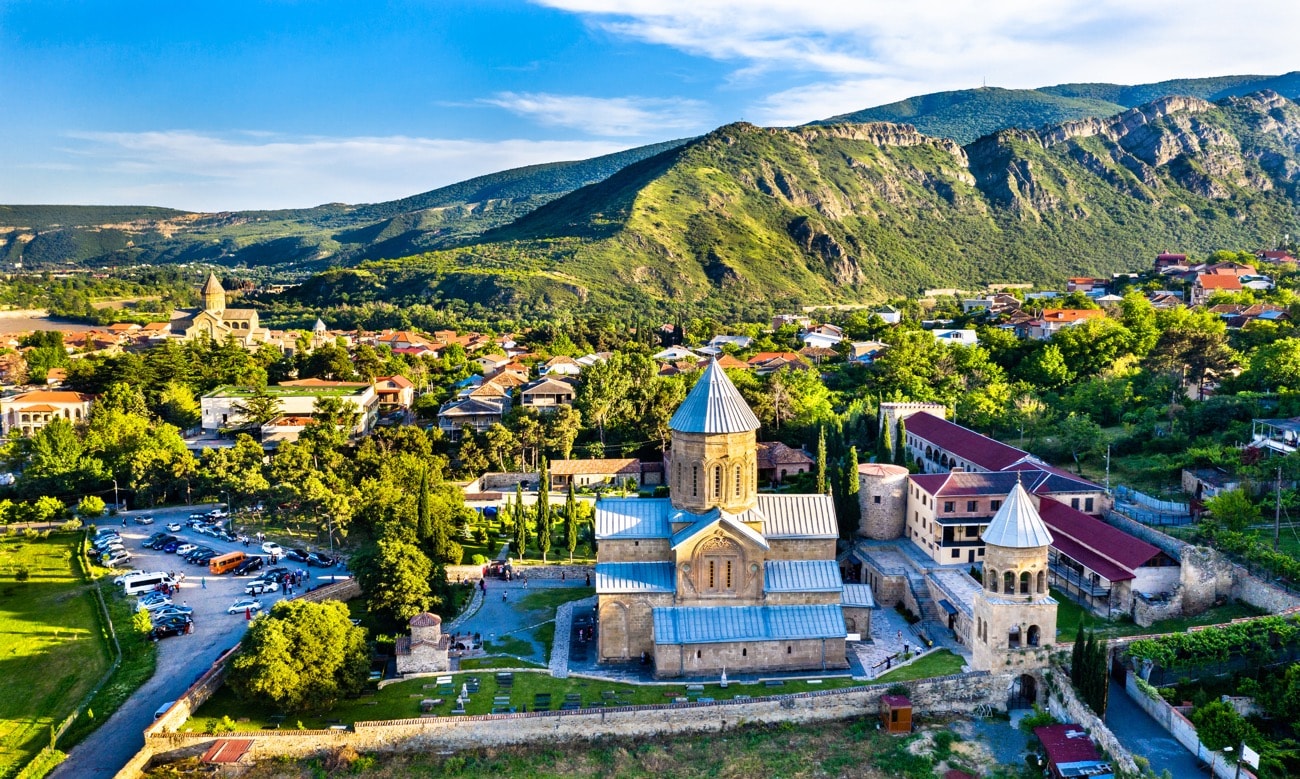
x: 211, y: 172
x: 625, y: 117
x: 857, y: 54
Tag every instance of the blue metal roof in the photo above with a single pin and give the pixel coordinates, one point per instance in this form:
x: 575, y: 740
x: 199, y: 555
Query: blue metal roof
x: 859, y: 595
x: 802, y: 576
x: 716, y: 517
x: 798, y: 516
x: 714, y: 405
x: 634, y: 577
x: 726, y: 624
x: 633, y: 518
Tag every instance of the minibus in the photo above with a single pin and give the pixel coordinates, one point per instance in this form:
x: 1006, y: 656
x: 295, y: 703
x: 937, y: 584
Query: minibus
x: 221, y: 564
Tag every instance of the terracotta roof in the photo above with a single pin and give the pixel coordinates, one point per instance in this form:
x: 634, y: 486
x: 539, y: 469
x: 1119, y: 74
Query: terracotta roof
x: 227, y: 750
x: 881, y: 469
x: 1067, y: 744
x: 396, y: 381
x: 39, y: 407
x: 1211, y: 281
x: 1122, y: 550
x: 727, y: 361
x: 963, y: 442
x: 627, y: 466
x: 763, y: 357
x: 774, y: 453
x: 51, y: 396
x: 157, y: 327
x: 1071, y: 314
x: 425, y: 619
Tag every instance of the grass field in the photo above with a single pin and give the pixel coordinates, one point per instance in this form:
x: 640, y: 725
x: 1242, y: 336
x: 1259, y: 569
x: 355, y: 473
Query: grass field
x: 51, y: 648
x: 402, y: 700
x: 1069, y: 614
x: 941, y: 663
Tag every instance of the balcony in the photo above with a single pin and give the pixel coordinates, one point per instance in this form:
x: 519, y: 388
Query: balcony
x: 1069, y: 579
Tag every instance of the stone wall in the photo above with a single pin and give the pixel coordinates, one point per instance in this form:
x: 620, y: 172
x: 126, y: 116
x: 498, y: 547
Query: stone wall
x: 801, y: 549
x: 1065, y: 705
x: 961, y: 694
x: 752, y: 656
x: 1181, y: 729
x: 1146, y: 613
x: 568, y: 572
x: 1167, y: 543
x: 627, y: 625
x: 634, y: 551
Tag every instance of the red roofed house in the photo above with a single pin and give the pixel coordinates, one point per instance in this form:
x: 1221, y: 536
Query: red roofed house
x: 1207, y: 284
x: 1071, y: 753
x: 939, y: 446
x: 1167, y: 260
x: 777, y: 462
x: 394, y: 392
x: 1056, y: 319
x: 1275, y: 258
x: 587, y: 473
x: 1084, y: 284
x: 30, y: 411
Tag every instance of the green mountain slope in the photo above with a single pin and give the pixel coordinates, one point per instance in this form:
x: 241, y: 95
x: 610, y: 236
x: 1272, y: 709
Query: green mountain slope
x: 967, y: 114
x: 751, y: 217
x: 335, y: 233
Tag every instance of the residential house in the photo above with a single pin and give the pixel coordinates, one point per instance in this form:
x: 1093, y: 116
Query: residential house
x: 1275, y: 257
x: 224, y: 407
x: 588, y: 360
x: 1166, y: 260
x: 675, y: 353
x: 889, y: 314
x: 547, y: 394
x: 1257, y: 283
x: 764, y: 363
x: 956, y: 337
x: 591, y: 473
x: 1055, y: 319
x: 28, y: 412
x: 284, y: 429
x: 561, y: 366
x: 157, y: 331
x: 491, y: 362
x: 394, y: 392
x: 1207, y: 285
x: 818, y: 353
x: 1085, y: 284
x: 54, y: 377
x: 826, y: 336
x: 782, y: 320
x: 476, y: 413
x: 738, y: 341
x: 778, y: 462
x: 1228, y: 269
x: 1163, y: 300
x: 728, y: 362
x: 866, y: 351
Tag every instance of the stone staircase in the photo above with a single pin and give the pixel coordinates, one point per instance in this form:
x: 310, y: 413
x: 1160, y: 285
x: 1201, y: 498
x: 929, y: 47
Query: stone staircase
x: 927, y: 608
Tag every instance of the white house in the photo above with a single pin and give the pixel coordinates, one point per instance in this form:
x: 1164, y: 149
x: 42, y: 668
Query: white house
x: 958, y: 337
x: 224, y: 407
x: 27, y: 413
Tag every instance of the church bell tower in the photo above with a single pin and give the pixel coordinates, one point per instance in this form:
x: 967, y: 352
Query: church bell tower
x: 214, y: 297
x: 713, y: 461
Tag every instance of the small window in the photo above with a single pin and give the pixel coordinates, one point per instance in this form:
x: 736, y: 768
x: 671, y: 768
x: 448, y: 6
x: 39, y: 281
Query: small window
x: 949, y: 506
x: 789, y: 650
x: 875, y: 498
x: 971, y: 505
x: 995, y: 505
x: 1074, y: 503
x: 697, y: 654
x: 695, y: 481
x: 738, y: 487
x: 956, y: 553
x: 1087, y: 505
x: 744, y: 652
x: 717, y: 482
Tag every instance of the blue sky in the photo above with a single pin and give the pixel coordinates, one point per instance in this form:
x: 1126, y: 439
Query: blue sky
x: 231, y: 105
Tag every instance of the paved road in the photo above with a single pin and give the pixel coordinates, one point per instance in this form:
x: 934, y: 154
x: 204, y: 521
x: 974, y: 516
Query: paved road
x: 181, y: 660
x: 1144, y: 736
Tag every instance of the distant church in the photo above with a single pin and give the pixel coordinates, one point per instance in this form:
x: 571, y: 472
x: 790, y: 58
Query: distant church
x: 219, y: 323
x: 718, y: 577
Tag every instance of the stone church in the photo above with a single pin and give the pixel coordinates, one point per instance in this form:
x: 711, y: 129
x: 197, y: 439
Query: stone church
x: 717, y: 576
x: 219, y: 323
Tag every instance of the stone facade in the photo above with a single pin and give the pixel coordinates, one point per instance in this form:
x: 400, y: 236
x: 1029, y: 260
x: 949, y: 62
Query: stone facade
x: 713, y: 469
x: 882, y: 498
x: 709, y: 659
x: 891, y: 413
x: 425, y: 650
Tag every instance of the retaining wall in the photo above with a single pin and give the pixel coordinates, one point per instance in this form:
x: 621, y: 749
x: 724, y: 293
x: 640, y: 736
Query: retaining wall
x: 1065, y: 705
x: 573, y: 573
x: 1181, y: 729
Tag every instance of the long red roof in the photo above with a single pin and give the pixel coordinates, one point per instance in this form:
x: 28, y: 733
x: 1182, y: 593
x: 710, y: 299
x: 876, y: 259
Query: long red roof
x: 963, y: 442
x: 1095, y: 537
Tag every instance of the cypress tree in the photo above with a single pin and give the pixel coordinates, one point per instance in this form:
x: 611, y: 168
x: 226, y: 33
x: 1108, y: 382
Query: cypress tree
x: 1076, y: 658
x: 851, y: 473
x: 521, y: 523
x: 423, y: 511
x: 900, y: 451
x: 544, y: 510
x: 571, y: 521
x: 885, y: 444
x: 821, y: 460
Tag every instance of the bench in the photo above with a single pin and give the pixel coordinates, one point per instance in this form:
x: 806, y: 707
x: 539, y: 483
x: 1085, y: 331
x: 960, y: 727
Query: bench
x: 695, y: 688
x: 773, y: 683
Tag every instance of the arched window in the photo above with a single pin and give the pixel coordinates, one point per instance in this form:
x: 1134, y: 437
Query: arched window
x: 717, y: 482
x: 1024, y: 582
x: 1032, y: 635
x: 1009, y: 583
x: 739, y: 489
x: 1042, y: 582
x: 1013, y: 637
x: 719, y: 561
x: 991, y: 578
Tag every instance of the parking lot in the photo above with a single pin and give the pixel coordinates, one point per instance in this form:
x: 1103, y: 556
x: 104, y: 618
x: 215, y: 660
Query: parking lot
x: 181, y: 659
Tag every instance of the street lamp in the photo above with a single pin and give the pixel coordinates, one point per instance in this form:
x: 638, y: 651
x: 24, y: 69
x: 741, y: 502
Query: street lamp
x: 117, y: 504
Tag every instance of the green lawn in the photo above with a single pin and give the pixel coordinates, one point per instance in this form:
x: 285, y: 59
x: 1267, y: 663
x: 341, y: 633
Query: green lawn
x: 941, y: 663
x: 551, y: 598
x: 1069, y: 614
x: 402, y: 700
x: 51, y: 648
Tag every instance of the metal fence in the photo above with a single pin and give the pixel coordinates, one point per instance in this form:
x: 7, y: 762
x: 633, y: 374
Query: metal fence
x: 1130, y: 495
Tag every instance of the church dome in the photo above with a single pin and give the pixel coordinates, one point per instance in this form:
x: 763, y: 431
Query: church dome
x: 714, y: 405
x: 1017, y: 524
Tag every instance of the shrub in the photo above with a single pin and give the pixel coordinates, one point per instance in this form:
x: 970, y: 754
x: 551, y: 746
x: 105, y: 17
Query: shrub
x: 23, y: 574
x: 480, y: 559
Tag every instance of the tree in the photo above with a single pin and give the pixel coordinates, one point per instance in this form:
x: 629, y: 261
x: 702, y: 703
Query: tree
x: 850, y: 512
x: 394, y: 576
x: 1047, y: 368
x: 472, y: 459
x: 605, y: 387
x: 256, y: 409
x: 571, y: 521
x: 1218, y: 725
x: 900, y: 449
x: 521, y: 523
x: 1081, y: 437
x: 885, y: 451
x: 1232, y: 510
x: 563, y: 429
x: 178, y: 406
x: 499, y: 443
x: 821, y: 460
x: 301, y: 657
x: 48, y: 508
x: 424, y: 511
x: 544, y: 510
x: 91, y: 508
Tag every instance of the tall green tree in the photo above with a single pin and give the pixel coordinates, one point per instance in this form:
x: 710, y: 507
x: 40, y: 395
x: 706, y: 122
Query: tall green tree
x: 424, y: 510
x: 544, y: 510
x: 301, y: 657
x: 563, y: 429
x: 821, y: 460
x: 521, y: 523
x: 571, y: 521
x: 900, y: 448
x: 885, y: 450
x: 394, y: 577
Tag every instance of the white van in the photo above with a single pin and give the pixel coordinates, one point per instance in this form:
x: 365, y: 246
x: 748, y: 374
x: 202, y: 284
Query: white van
x: 146, y: 582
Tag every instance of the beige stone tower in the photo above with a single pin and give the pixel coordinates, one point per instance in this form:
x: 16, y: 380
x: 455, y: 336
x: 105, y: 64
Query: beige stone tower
x: 882, y: 499
x: 714, y: 457
x: 214, y: 297
x: 1015, y: 618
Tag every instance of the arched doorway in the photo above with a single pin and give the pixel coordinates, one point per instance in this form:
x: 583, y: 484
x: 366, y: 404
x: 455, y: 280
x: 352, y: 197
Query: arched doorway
x: 1023, y: 693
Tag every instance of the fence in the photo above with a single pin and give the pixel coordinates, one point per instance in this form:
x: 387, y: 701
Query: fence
x: 1149, y: 510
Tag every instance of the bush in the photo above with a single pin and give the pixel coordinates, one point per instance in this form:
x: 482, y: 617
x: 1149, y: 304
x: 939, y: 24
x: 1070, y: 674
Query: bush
x: 23, y: 574
x: 480, y: 559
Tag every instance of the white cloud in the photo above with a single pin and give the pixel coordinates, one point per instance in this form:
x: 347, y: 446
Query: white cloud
x: 614, y: 116
x: 858, y: 53
x: 250, y: 170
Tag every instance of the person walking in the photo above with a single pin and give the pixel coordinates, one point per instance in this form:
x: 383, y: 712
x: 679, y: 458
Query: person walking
x: 203, y: 580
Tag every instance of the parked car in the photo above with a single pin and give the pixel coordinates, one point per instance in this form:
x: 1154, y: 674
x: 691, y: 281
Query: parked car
x: 197, y: 518
x: 115, y: 559
x: 160, y: 542
x: 104, y: 532
x: 171, y: 546
x: 143, y: 519
x: 260, y: 586
x: 168, y: 628
x: 174, y: 527
x: 321, y: 559
x: 248, y: 566
x: 244, y: 604
x: 119, y: 579
x: 154, y: 605
x: 297, y: 555
x: 271, y: 547
x: 203, y: 557
x: 152, y: 597
x: 185, y: 611
x: 185, y: 549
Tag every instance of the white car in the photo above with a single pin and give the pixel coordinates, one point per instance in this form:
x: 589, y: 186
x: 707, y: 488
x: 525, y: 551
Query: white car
x: 185, y: 549
x: 244, y: 604
x: 271, y: 547
x: 259, y: 587
x: 154, y: 605
x: 174, y: 527
x: 119, y: 579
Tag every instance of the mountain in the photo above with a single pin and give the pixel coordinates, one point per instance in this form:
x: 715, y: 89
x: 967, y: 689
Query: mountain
x: 751, y: 217
x: 967, y: 114
x: 45, y: 236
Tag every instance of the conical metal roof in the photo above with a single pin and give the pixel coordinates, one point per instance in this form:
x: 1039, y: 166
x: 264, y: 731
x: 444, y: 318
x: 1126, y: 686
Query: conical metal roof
x: 1017, y: 524
x: 212, y: 285
x: 714, y: 405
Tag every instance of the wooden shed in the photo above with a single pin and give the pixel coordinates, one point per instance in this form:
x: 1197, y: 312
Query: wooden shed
x: 896, y: 713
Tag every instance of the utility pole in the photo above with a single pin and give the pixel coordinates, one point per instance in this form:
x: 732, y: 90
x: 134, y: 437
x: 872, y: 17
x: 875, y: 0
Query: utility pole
x: 1277, y: 510
x: 1107, y: 469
